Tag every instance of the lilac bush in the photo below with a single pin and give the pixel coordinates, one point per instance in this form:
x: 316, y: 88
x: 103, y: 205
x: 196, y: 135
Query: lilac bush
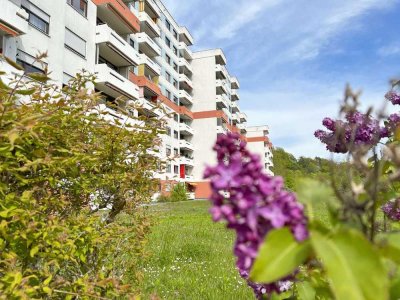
x: 393, y: 97
x: 252, y: 203
x: 358, y: 129
x: 392, y: 210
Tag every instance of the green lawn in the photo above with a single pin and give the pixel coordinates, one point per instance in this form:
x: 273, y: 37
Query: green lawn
x: 191, y: 256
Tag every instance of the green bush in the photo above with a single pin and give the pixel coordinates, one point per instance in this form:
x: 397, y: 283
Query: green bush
x: 71, y: 191
x: 179, y: 193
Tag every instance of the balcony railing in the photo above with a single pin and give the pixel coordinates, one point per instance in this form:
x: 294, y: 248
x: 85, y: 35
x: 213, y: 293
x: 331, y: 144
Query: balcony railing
x: 187, y: 53
x: 114, y: 48
x: 185, y: 66
x: 113, y: 12
x: 153, y: 66
x: 235, y: 83
x: 221, y: 87
x: 234, y: 95
x: 147, y: 45
x: 185, y: 97
x: 186, y: 161
x: 185, y: 145
x: 13, y: 19
x: 222, y: 101
x: 185, y: 129
x: 114, y: 84
x: 148, y: 25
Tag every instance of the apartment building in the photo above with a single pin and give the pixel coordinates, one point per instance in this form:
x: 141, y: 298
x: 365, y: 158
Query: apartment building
x: 137, y: 50
x: 259, y: 143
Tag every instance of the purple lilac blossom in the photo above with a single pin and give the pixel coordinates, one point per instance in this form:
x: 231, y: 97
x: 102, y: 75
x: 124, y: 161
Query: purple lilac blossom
x: 393, y: 97
x: 252, y: 203
x: 392, y: 210
x: 358, y: 129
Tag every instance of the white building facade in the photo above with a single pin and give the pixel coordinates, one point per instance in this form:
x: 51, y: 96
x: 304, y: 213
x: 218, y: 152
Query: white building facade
x: 137, y: 50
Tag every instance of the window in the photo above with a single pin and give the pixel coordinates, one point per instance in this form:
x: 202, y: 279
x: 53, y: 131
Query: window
x: 168, y: 25
x: 175, y: 34
x: 168, y: 76
x: 175, y: 83
x: 168, y: 59
x: 176, y: 152
x: 168, y: 94
x: 168, y: 168
x: 132, y: 43
x: 36, y: 17
x: 175, y: 50
x: 29, y: 63
x: 168, y: 131
x: 176, y: 67
x: 75, y: 43
x: 79, y: 5
x: 176, y: 100
x: 168, y: 151
x: 176, y: 169
x: 168, y: 42
x: 176, y: 134
x: 176, y: 117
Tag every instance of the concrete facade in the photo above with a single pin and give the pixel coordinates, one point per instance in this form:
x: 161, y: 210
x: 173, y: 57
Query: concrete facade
x: 137, y: 50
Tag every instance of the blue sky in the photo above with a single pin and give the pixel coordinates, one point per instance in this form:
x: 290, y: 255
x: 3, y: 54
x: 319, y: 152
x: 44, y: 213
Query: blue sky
x: 293, y: 58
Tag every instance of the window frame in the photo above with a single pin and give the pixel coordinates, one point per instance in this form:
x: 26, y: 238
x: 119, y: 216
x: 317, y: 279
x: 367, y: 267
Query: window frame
x: 70, y: 3
x: 30, y: 13
x: 72, y: 49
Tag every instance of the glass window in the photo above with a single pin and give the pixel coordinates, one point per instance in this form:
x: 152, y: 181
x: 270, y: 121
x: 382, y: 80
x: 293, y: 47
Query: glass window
x: 175, y: 67
x: 79, y: 5
x: 132, y: 43
x: 168, y: 59
x: 175, y: 50
x: 168, y: 76
x: 175, y: 34
x: 168, y: 24
x: 176, y: 169
x: 168, y: 151
x: 176, y: 134
x: 168, y: 131
x: 28, y: 67
x: 176, y: 152
x: 175, y: 83
x: 176, y: 100
x: 168, y: 94
x: 168, y: 42
x: 36, y: 17
x: 176, y: 117
x: 168, y: 168
x: 75, y: 43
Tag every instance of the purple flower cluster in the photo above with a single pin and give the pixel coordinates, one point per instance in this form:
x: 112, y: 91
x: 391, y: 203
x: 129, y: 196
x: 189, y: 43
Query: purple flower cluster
x: 392, y: 210
x: 391, y: 124
x: 252, y: 203
x: 358, y: 129
x: 393, y: 97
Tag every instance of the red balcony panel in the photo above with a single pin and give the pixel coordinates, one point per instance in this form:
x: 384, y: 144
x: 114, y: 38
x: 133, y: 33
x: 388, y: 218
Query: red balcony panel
x: 122, y: 11
x: 144, y: 82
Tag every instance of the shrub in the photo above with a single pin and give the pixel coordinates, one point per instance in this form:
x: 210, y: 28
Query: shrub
x: 179, y: 193
x: 68, y: 172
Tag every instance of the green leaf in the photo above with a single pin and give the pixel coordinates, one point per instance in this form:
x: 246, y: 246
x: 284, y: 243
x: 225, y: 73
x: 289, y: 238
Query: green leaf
x: 353, y: 266
x: 14, y: 64
x: 395, y: 289
x: 25, y: 92
x: 39, y: 77
x: 279, y: 256
x: 305, y: 291
x: 33, y: 251
x: 389, y: 244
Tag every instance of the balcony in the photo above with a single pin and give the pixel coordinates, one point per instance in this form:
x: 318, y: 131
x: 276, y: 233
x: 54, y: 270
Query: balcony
x: 185, y: 145
x: 221, y: 71
x: 114, y: 48
x: 185, y: 129
x: 116, y: 14
x: 148, y: 25
x: 114, y: 84
x: 13, y: 19
x: 242, y: 127
x: 150, y: 88
x: 242, y: 117
x: 147, y: 108
x: 221, y: 129
x: 184, y: 66
x: 147, y: 45
x: 235, y: 83
x: 186, y: 161
x: 221, y: 87
x: 185, y: 82
x: 185, y: 51
x: 151, y: 8
x: 222, y: 101
x: 151, y: 67
x: 235, y: 107
x: 234, y: 95
x: 185, y: 36
x: 235, y: 117
x: 185, y: 98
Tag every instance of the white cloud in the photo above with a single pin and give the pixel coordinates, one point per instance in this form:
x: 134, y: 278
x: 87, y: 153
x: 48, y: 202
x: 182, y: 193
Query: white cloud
x: 389, y: 50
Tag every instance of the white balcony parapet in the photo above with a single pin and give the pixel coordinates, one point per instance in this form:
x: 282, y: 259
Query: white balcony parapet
x: 115, y: 84
x: 183, y: 144
x: 145, y: 60
x: 221, y: 87
x: 185, y: 36
x: 243, y: 117
x: 145, y: 20
x: 235, y: 107
x: 152, y: 4
x: 13, y: 17
x: 187, y: 53
x: 183, y: 95
x: 234, y: 95
x: 183, y: 63
x: 144, y: 39
x: 187, y: 80
x: 107, y: 37
x: 235, y: 83
x: 223, y: 99
x: 242, y: 126
x: 222, y: 129
x: 221, y: 69
x: 186, y: 161
x: 186, y: 129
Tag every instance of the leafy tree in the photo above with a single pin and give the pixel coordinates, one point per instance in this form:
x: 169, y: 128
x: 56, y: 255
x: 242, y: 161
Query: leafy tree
x: 73, y: 182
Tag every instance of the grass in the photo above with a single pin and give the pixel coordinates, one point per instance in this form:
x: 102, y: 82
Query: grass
x: 191, y: 256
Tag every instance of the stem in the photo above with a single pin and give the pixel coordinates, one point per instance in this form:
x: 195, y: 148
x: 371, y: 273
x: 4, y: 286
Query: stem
x: 374, y: 196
